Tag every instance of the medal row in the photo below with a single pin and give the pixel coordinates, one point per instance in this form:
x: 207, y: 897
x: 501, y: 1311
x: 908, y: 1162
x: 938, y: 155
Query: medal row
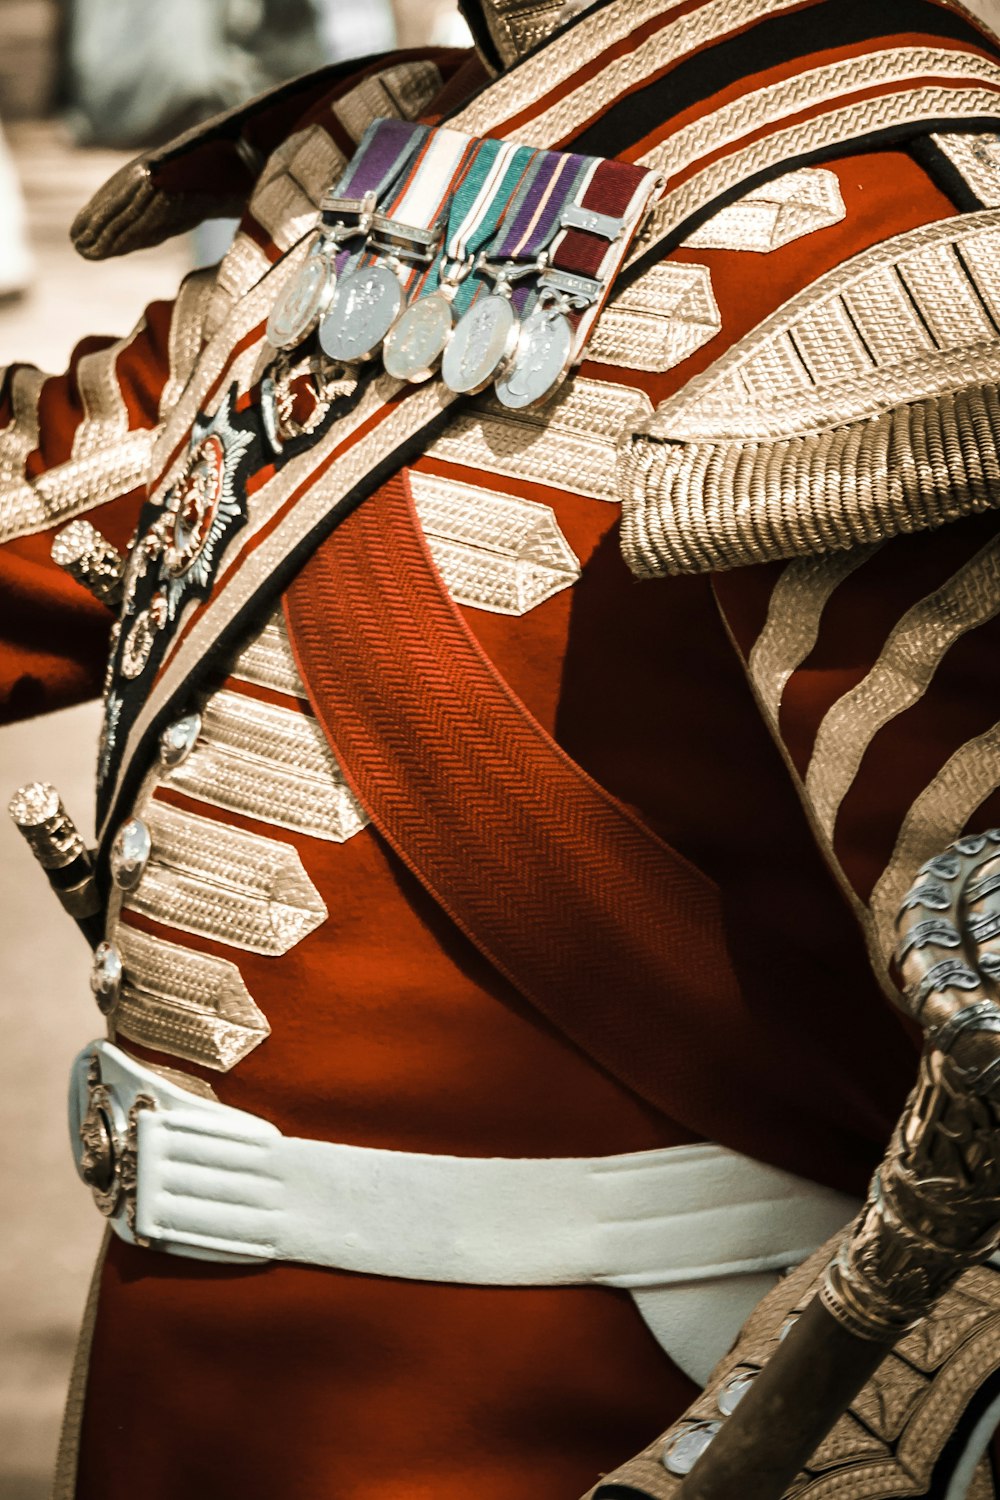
x: 420, y: 224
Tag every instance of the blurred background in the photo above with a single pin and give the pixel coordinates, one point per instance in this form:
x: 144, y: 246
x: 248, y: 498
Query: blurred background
x: 84, y: 84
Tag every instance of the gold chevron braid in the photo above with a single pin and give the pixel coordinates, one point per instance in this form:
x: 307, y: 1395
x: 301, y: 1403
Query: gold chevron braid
x: 222, y: 883
x: 190, y: 1005
x: 782, y: 210
x: 654, y: 324
x: 270, y: 764
x: 495, y: 552
x: 571, y: 445
x: 266, y: 660
x: 900, y: 676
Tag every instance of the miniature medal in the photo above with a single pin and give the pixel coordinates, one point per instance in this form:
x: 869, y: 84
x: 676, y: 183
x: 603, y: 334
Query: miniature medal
x: 303, y: 301
x: 364, y: 307
x: 417, y: 340
x: 482, y: 344
x: 542, y: 359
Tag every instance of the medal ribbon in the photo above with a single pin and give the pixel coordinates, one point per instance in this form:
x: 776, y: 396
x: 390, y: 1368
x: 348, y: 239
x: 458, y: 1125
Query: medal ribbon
x: 534, y: 215
x: 421, y: 200
x: 476, y: 208
x: 617, y: 190
x: 386, y: 150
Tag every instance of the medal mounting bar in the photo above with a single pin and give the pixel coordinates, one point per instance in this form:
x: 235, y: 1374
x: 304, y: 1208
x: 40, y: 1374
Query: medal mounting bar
x: 390, y: 237
x: 345, y: 209
x: 608, y: 226
x: 579, y: 291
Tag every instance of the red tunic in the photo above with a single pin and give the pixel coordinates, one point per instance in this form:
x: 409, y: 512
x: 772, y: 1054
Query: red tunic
x: 388, y: 1029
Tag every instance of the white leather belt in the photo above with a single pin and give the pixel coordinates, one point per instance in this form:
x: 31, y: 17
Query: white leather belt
x: 194, y: 1177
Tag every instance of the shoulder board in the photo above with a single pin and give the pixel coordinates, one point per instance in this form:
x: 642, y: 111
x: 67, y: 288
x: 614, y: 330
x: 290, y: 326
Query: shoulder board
x: 210, y: 171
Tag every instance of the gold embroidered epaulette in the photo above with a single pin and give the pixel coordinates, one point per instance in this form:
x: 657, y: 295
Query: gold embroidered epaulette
x: 210, y: 171
x: 864, y: 408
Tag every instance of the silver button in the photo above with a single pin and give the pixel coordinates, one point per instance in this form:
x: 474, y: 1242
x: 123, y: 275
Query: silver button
x: 106, y: 975
x: 178, y: 739
x: 734, y: 1390
x: 130, y: 853
x: 684, y: 1449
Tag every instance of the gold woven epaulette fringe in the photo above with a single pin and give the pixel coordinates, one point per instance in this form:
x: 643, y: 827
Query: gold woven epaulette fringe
x: 864, y: 409
x: 891, y: 1440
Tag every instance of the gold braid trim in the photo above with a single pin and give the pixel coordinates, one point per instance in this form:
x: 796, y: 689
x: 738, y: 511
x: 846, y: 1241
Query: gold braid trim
x: 865, y: 408
x: 890, y: 1441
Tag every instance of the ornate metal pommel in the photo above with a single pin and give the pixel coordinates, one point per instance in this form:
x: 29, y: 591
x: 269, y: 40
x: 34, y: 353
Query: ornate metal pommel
x: 38, y: 813
x: 58, y: 846
x: 90, y: 558
x: 934, y: 1206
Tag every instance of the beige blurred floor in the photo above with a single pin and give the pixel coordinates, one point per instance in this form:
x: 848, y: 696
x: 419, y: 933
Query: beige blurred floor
x: 48, y: 1229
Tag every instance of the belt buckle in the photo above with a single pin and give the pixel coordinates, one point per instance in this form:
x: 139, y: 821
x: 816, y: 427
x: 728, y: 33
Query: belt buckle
x: 107, y: 1148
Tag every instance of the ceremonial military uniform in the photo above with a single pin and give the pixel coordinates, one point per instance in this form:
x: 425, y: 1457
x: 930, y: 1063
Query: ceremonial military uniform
x: 428, y: 831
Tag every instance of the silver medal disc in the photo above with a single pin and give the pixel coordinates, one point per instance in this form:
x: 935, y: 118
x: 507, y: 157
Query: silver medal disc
x: 364, y: 307
x: 482, y: 345
x: 543, y: 356
x: 418, y: 338
x: 302, y: 303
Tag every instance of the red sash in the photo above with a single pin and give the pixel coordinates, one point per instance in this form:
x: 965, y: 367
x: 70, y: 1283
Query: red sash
x: 604, y: 928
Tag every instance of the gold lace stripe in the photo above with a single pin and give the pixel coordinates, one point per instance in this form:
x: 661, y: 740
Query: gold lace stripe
x: 105, y: 417
x: 937, y: 816
x: 787, y: 208
x: 191, y: 1005
x: 774, y: 101
x: 243, y: 265
x: 655, y: 323
x: 793, y: 619
x: 267, y: 660
x: 537, y: 77
x: 571, y: 445
x: 899, y: 678
x: 67, y: 1459
x: 494, y: 551
x: 222, y: 883
x: 71, y: 488
x: 840, y: 126
x: 270, y: 764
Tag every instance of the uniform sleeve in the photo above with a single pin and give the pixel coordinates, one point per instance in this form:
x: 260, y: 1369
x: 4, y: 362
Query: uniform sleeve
x: 878, y: 671
x: 79, y: 445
